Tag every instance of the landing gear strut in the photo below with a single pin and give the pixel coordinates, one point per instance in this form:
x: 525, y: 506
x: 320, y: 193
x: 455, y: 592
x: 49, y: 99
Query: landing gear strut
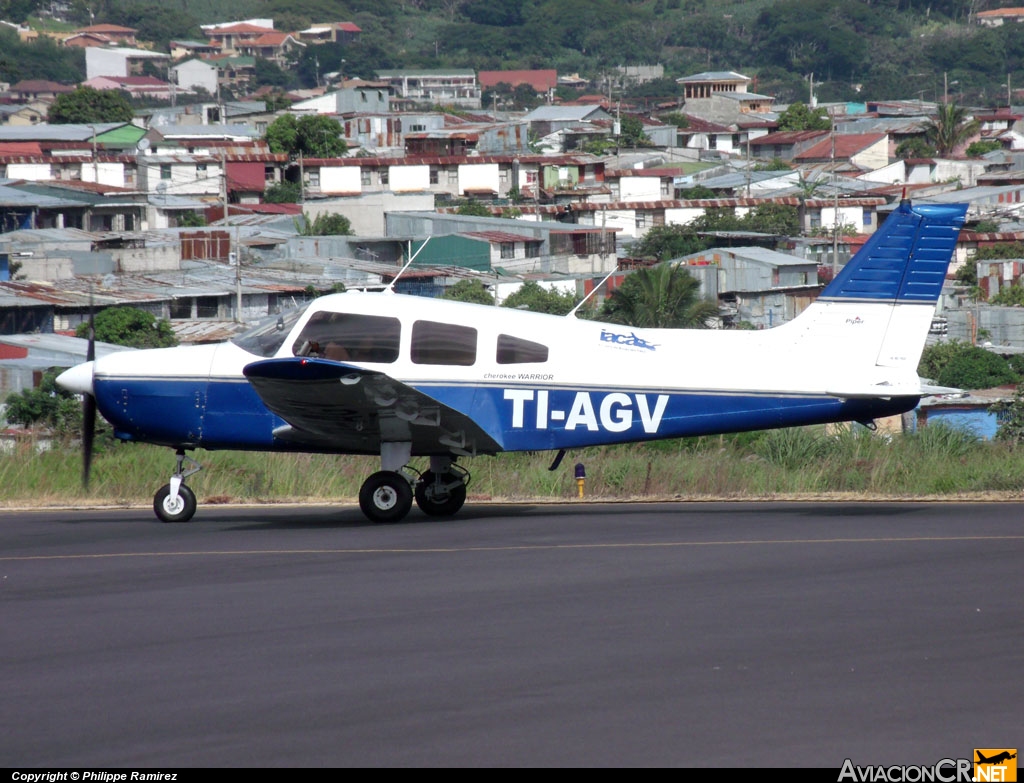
x: 175, y: 502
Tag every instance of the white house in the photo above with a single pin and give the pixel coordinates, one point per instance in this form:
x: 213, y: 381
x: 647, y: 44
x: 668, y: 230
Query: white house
x: 196, y: 73
x: 118, y: 61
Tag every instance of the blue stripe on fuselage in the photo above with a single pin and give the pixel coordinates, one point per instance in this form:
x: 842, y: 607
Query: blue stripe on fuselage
x: 526, y: 419
x: 228, y: 414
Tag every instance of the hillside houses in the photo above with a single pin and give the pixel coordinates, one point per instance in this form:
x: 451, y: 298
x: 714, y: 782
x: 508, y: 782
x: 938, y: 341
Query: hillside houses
x: 561, y: 194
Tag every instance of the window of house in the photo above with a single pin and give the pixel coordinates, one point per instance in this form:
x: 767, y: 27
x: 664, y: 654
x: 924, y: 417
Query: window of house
x: 437, y: 343
x: 200, y: 170
x: 508, y: 250
x: 532, y: 249
x: 515, y: 350
x: 268, y: 173
x: 433, y: 175
x: 417, y: 128
x: 165, y: 171
x: 364, y: 176
x: 385, y: 176
x: 348, y: 337
x: 453, y: 176
x: 207, y: 307
x: 712, y: 141
x: 866, y: 219
x: 642, y: 219
x: 181, y: 308
x: 313, y: 178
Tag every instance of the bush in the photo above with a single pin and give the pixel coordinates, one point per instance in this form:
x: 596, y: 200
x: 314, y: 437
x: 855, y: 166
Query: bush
x: 976, y: 369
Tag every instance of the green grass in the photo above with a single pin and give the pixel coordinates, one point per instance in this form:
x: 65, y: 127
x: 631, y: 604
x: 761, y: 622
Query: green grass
x: 793, y: 463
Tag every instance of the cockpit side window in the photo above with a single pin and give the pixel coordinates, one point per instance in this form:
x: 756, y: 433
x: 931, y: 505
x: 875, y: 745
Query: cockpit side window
x: 269, y: 335
x: 437, y: 343
x: 348, y: 337
x: 515, y: 350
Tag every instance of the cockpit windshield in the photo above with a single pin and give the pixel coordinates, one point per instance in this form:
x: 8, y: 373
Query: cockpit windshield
x: 269, y: 335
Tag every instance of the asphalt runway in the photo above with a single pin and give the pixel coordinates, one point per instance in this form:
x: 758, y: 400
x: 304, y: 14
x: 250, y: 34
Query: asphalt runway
x: 611, y: 635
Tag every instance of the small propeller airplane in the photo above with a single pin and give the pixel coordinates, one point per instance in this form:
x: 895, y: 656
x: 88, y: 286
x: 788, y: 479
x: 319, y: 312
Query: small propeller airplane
x: 400, y: 376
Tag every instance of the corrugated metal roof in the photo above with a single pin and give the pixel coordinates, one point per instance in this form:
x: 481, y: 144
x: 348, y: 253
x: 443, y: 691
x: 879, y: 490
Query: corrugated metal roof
x: 500, y: 236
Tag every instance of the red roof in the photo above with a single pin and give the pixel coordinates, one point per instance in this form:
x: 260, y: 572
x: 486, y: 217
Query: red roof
x: 268, y: 39
x: 540, y: 81
x: 349, y: 27
x: 847, y: 145
x: 105, y: 28
x: 20, y: 148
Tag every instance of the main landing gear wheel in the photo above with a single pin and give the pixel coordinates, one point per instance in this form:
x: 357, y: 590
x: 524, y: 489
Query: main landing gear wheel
x: 436, y: 495
x: 386, y: 496
x: 180, y: 509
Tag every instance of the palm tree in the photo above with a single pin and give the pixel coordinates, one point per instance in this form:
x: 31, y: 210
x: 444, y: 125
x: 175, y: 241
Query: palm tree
x: 661, y: 296
x: 950, y: 128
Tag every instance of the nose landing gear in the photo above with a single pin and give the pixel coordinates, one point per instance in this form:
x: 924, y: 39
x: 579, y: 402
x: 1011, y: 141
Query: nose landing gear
x: 175, y: 502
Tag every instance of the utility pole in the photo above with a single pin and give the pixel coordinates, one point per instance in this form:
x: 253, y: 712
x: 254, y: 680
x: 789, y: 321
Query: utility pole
x: 238, y: 280
x: 835, y: 191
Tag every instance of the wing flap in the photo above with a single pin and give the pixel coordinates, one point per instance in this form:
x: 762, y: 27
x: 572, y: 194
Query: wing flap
x: 343, y: 407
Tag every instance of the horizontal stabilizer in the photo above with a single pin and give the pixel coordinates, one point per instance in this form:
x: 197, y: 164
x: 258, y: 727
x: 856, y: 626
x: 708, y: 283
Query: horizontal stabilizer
x: 875, y: 391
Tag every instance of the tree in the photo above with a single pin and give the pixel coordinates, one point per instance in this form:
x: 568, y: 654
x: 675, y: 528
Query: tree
x: 770, y: 218
x: 950, y: 128
x: 532, y: 296
x: 191, y: 220
x: 1010, y: 415
x: 676, y: 118
x: 469, y: 291
x: 799, y: 117
x: 474, y: 207
x: 48, y: 404
x: 632, y: 132
x: 327, y: 225
x: 130, y: 326
x: 964, y: 366
x: 283, y: 193
x: 665, y: 242
x: 914, y: 147
x: 89, y: 105
x: 978, y: 148
x: 662, y: 296
x: 312, y: 135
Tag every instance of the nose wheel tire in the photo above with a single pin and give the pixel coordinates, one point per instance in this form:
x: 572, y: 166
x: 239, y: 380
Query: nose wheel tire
x: 180, y: 509
x: 436, y: 499
x: 385, y: 496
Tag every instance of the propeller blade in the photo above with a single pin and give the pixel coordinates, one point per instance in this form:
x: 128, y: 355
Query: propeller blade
x: 89, y: 402
x: 88, y: 435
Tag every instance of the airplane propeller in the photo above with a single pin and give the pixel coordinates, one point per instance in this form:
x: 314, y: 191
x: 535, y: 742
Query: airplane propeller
x: 89, y: 404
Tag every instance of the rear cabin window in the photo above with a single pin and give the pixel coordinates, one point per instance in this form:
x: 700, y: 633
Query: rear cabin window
x: 515, y: 350
x: 437, y: 343
x: 345, y: 337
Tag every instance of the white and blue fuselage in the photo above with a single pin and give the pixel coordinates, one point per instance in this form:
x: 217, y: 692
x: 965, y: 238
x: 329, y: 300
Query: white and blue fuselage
x: 530, y: 381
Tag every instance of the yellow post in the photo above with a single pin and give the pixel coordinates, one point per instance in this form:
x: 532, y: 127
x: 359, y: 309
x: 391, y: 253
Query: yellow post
x: 581, y: 475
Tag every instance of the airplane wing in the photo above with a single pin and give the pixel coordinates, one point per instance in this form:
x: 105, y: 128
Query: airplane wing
x: 341, y: 407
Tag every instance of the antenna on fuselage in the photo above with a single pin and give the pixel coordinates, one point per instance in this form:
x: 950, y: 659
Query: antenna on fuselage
x: 412, y: 257
x: 592, y: 292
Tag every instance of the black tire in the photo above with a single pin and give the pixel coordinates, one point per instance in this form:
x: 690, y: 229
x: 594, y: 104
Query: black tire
x: 439, y: 506
x: 181, y: 511
x: 385, y: 496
